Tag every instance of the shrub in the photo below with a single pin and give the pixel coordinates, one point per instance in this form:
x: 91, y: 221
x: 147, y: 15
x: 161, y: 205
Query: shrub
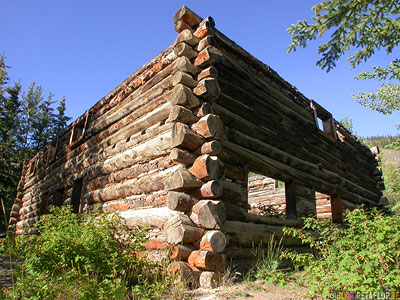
x: 364, y: 255
x: 83, y: 256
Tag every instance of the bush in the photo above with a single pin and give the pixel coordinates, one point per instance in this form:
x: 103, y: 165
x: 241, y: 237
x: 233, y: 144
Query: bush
x: 83, y: 256
x: 364, y: 255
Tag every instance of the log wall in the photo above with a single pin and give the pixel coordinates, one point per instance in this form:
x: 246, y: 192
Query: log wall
x: 171, y: 147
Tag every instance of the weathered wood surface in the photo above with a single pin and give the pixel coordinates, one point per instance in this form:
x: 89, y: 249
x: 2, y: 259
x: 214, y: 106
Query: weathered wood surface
x: 180, y: 229
x: 208, y: 214
x: 207, y: 260
x: 180, y: 201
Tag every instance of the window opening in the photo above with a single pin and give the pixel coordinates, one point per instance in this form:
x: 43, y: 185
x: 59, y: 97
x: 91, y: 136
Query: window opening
x: 324, y: 121
x: 266, y: 196
x: 79, y: 128
x: 76, y: 195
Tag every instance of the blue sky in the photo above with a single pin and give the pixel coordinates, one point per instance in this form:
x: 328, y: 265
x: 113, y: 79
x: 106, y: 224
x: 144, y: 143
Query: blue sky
x: 83, y: 49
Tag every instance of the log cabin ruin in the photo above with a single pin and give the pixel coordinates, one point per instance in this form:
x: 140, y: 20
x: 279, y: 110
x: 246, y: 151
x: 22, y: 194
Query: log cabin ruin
x: 207, y: 146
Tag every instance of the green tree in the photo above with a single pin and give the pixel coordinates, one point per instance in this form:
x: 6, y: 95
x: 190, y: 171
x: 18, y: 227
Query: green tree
x: 360, y: 27
x: 28, y: 122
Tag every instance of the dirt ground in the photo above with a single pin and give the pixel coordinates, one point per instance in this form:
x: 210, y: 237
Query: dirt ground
x: 251, y: 291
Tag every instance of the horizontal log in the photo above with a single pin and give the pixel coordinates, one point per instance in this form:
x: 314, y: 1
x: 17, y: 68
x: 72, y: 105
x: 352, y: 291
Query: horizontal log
x: 180, y: 201
x: 211, y: 148
x: 184, y: 137
x: 208, y: 214
x: 181, y: 180
x: 181, y: 114
x: 182, y: 95
x: 207, y: 88
x: 207, y: 167
x: 180, y: 229
x: 214, y: 241
x: 205, y: 42
x: 188, y: 37
x: 181, y: 26
x: 207, y: 261
x: 205, y: 28
x: 203, y: 110
x: 211, y: 189
x: 183, y: 49
x: 151, y: 217
x: 249, y: 234
x: 185, y: 273
x: 186, y: 15
x: 210, y: 72
x: 210, y: 126
x: 181, y: 252
x: 182, y: 156
x: 184, y: 79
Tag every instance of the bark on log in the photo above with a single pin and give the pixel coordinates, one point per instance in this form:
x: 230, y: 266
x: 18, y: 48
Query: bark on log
x: 211, y: 189
x: 181, y: 180
x: 210, y: 126
x: 207, y: 261
x: 207, y: 88
x: 180, y: 201
x: 214, y: 241
x: 180, y: 229
x: 182, y: 156
x: 184, y: 137
x: 207, y: 167
x: 181, y: 114
x: 210, y: 280
x: 182, y: 95
x: 208, y: 214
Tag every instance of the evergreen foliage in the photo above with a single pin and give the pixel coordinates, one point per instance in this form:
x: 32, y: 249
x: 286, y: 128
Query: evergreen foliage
x: 28, y: 122
x: 365, y: 26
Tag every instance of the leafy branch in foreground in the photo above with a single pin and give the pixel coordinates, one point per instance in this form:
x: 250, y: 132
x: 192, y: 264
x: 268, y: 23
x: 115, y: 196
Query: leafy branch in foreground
x: 88, y: 256
x: 361, y: 27
x: 364, y: 255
